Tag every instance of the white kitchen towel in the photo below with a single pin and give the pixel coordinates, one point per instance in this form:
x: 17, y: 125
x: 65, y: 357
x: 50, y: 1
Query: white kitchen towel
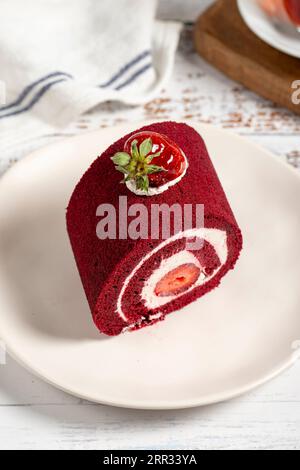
x: 60, y: 58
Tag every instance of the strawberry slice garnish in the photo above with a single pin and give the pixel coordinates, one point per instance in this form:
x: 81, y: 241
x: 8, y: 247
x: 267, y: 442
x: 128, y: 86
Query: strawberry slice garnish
x: 150, y: 159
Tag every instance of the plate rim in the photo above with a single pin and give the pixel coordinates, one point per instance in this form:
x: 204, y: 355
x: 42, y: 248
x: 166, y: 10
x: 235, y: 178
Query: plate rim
x: 162, y: 405
x: 173, y: 404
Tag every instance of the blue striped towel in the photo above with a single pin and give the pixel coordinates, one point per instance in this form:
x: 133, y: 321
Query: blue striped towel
x: 60, y: 58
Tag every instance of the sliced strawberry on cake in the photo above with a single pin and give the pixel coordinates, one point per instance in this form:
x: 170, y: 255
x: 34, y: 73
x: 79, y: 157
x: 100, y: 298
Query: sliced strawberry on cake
x: 134, y: 282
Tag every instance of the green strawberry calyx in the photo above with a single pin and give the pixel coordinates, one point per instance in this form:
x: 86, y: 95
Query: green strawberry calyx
x: 137, y: 165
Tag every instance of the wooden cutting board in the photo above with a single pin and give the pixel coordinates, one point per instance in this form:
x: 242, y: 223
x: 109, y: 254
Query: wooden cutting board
x: 224, y: 40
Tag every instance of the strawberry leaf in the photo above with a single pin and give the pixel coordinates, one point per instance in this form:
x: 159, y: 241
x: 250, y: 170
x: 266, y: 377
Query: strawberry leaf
x: 122, y: 170
x: 142, y: 183
x: 145, y: 147
x: 154, y: 169
x: 154, y: 155
x: 134, y: 150
x: 121, y: 158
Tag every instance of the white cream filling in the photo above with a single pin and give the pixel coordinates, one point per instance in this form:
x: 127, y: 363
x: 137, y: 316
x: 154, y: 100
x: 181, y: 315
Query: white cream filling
x: 161, y: 189
x: 217, y: 238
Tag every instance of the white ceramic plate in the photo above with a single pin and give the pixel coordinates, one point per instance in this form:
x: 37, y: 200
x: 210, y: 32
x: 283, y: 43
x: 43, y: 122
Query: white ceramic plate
x: 284, y: 39
x: 228, y: 342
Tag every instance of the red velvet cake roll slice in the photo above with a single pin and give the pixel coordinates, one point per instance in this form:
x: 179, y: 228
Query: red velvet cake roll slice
x: 137, y: 272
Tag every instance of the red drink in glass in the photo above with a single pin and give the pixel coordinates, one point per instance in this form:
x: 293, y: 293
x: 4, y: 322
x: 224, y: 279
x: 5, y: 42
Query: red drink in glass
x: 274, y: 8
x: 293, y: 9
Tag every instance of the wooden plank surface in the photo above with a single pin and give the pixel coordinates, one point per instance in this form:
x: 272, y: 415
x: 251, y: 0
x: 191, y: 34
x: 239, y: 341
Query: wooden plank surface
x: 35, y: 415
x: 222, y: 38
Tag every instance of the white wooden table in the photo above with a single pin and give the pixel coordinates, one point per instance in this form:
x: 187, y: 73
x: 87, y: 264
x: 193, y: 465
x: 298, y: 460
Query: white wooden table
x: 35, y: 415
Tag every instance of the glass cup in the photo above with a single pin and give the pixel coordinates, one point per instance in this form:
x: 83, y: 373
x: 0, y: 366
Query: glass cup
x: 283, y: 11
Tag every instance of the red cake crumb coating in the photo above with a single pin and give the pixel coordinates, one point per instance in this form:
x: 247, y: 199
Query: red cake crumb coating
x: 104, y: 265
